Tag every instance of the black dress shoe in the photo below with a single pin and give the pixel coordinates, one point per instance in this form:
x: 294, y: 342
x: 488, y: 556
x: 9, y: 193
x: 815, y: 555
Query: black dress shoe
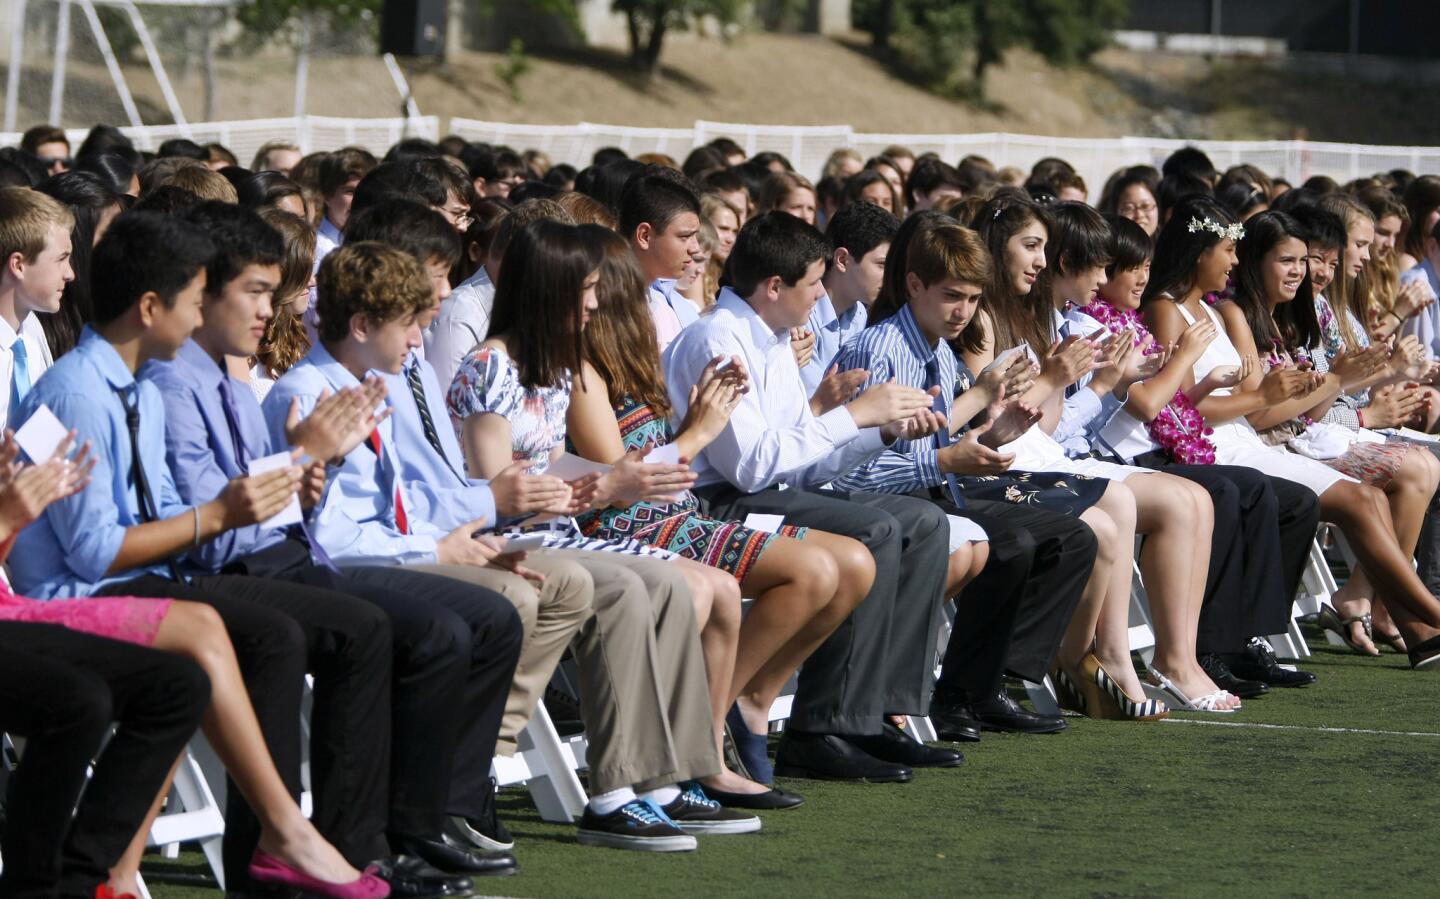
x: 452, y: 855
x: 1426, y: 656
x: 1258, y: 663
x: 953, y: 720
x: 1004, y: 714
x: 413, y: 877
x: 829, y: 757
x: 771, y: 800
x: 1220, y: 672
x: 893, y: 745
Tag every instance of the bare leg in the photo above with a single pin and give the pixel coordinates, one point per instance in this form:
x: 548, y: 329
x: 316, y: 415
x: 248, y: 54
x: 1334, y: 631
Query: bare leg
x: 1111, y: 574
x: 1177, y: 518
x: 804, y: 593
x: 195, y: 630
x: 1353, y: 600
x: 125, y: 875
x: 1361, y: 512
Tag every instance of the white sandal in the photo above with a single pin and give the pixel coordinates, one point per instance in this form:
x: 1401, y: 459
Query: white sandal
x: 1165, y: 690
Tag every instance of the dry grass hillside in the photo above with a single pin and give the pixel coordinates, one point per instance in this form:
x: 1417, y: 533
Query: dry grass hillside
x: 799, y: 79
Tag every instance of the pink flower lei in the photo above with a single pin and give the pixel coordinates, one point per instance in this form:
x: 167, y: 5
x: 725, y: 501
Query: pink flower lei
x: 1180, y: 429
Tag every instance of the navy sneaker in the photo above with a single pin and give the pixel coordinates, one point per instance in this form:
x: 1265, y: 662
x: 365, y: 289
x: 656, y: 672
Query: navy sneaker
x: 694, y: 812
x: 638, y: 824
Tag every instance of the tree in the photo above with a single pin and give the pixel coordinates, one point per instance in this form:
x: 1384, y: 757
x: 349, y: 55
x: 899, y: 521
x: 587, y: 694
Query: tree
x: 936, y: 39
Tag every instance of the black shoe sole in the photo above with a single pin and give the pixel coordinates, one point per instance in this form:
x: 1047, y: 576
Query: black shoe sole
x: 808, y: 774
x: 954, y: 737
x: 1000, y: 729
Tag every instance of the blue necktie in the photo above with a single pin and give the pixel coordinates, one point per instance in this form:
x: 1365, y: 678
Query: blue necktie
x: 21, y: 385
x: 942, y: 436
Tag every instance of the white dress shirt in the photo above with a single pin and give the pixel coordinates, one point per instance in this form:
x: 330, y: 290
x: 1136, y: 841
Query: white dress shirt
x: 37, y: 360
x: 463, y: 323
x: 772, y: 437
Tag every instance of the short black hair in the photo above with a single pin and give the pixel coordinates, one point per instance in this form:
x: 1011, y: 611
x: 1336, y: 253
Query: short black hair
x: 181, y: 146
x: 928, y: 175
x: 497, y: 163
x: 1174, y: 189
x: 35, y: 170
x: 167, y: 199
x: 412, y: 148
x: 143, y: 252
x: 657, y: 199
x: 774, y: 243
x: 860, y: 228
x: 411, y: 179
x: 1189, y: 160
x: 607, y: 155
x: 408, y: 226
x: 1323, y: 229
x: 723, y: 181
x: 561, y: 174
x: 241, y: 238
x: 1130, y: 246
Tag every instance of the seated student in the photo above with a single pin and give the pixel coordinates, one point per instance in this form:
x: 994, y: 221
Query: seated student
x: 788, y: 192
x: 1193, y: 256
x: 1425, y: 324
x: 285, y: 341
x: 464, y: 319
x: 1038, y: 560
x: 35, y: 246
x: 340, y: 174
x: 509, y: 402
x: 931, y: 185
x: 803, y: 590
x: 122, y: 533
x: 878, y: 662
x: 1252, y: 578
x: 859, y: 236
x: 1281, y: 314
x: 1044, y: 260
x: 61, y: 690
x: 660, y: 216
x: 213, y: 429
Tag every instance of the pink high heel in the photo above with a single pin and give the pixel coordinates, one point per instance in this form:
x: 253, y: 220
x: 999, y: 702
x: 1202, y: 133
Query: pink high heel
x: 265, y: 868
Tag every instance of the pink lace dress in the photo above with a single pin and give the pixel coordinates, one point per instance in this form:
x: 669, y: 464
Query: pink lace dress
x: 128, y: 618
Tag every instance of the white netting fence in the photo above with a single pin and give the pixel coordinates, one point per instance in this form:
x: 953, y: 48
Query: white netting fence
x: 805, y: 146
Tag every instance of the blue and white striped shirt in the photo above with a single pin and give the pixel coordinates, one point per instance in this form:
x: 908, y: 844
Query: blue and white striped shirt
x: 895, y: 350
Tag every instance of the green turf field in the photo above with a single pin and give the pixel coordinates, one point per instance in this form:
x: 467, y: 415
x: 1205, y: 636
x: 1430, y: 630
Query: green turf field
x: 1329, y: 790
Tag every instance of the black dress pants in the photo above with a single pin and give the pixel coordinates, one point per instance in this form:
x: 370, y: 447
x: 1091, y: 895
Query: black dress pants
x: 61, y: 690
x: 1257, y: 554
x: 879, y: 661
x: 280, y: 630
x: 1038, y: 564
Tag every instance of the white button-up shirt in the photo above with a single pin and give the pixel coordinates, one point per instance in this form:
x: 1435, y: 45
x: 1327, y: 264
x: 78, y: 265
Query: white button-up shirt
x: 463, y: 323
x: 772, y: 438
x: 37, y: 360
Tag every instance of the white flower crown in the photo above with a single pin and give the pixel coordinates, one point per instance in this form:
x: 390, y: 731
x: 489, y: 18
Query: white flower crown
x: 1229, y: 232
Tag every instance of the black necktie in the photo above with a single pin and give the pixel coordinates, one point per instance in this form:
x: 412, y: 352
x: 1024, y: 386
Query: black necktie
x: 232, y: 420
x: 143, y: 497
x: 432, y: 436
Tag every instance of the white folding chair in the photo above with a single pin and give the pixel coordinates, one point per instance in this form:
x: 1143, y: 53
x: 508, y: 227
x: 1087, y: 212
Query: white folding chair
x: 546, y: 763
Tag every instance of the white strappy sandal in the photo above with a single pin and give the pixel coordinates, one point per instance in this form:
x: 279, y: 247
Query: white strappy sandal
x: 1165, y: 690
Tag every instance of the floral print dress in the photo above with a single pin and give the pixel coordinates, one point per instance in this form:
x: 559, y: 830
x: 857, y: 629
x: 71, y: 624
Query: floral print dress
x: 678, y: 527
x: 488, y: 381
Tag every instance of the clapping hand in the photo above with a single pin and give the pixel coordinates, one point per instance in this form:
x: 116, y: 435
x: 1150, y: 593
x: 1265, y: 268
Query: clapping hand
x: 1009, y: 423
x: 802, y: 344
x: 26, y: 490
x: 339, y: 422
x: 837, y: 388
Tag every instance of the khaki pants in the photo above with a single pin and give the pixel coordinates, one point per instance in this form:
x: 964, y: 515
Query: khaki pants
x: 551, y: 613
x: 642, y: 676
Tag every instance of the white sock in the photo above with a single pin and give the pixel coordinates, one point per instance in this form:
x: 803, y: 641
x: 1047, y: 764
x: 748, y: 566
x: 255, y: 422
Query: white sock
x: 606, y: 803
x: 662, y: 796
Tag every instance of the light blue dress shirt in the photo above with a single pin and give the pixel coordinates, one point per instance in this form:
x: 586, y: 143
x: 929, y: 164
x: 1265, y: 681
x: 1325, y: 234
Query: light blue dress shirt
x: 435, y: 486
x: 1425, y: 324
x: 200, y: 450
x: 832, y: 333
x: 355, y: 522
x: 1085, y: 413
x: 70, y: 548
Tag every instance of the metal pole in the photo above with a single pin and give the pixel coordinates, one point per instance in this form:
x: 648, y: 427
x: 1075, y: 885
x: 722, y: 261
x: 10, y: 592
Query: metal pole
x: 1354, y: 28
x: 62, y: 53
x: 158, y: 67
x: 111, y: 63
x: 302, y: 66
x: 17, y: 60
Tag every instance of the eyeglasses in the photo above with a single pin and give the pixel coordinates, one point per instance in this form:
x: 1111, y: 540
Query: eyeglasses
x: 460, y: 218
x: 1136, y: 208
